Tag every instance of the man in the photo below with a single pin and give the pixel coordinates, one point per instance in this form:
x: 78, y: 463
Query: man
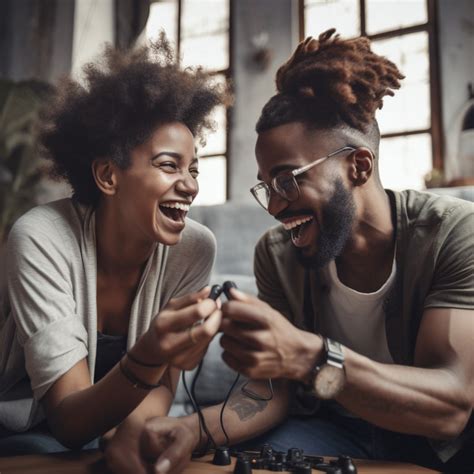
x: 365, y: 315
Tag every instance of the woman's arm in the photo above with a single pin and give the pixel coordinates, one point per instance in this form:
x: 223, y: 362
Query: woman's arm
x: 78, y: 412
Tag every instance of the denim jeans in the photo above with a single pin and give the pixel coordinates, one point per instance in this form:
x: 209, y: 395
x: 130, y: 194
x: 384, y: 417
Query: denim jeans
x: 36, y: 441
x: 332, y: 434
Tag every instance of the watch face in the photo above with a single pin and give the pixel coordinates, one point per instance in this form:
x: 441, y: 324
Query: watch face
x: 329, y: 381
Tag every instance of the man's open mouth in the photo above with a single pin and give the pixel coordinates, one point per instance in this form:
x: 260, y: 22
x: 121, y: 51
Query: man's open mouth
x: 175, y: 211
x: 297, y: 227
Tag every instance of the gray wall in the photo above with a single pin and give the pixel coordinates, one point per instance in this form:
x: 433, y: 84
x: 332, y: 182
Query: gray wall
x: 254, y: 85
x: 36, y: 38
x: 456, y: 47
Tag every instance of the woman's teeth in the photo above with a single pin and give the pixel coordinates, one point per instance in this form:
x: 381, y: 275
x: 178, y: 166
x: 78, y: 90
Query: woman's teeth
x: 176, y: 205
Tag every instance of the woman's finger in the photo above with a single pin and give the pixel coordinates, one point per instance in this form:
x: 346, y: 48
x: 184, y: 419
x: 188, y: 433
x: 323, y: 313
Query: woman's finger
x: 181, y: 319
x: 189, y: 299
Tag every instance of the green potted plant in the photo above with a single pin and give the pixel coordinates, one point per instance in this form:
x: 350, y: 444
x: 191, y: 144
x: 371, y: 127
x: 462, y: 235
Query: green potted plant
x: 20, y: 104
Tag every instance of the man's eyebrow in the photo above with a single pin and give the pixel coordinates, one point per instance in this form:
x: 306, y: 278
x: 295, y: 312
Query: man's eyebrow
x: 277, y: 170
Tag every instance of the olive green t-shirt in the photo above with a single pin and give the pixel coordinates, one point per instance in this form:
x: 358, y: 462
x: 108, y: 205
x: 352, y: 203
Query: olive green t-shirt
x: 435, y: 268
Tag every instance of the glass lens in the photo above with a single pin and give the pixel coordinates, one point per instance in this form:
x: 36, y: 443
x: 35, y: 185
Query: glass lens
x: 261, y: 194
x: 286, y: 186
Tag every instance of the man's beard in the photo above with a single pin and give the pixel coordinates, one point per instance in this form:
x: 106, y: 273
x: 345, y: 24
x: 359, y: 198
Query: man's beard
x: 336, y: 227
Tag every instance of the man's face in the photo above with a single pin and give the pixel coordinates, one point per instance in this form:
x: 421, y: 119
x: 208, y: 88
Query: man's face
x: 321, y: 219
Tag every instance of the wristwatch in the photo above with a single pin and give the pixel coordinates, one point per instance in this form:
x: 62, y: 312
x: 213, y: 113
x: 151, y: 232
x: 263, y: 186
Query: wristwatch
x: 328, y: 377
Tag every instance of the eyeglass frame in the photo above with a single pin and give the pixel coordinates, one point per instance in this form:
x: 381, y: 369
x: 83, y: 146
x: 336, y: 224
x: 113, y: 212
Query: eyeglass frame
x: 294, y: 173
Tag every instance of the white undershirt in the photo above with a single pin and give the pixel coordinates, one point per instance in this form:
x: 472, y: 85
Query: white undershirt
x: 355, y: 319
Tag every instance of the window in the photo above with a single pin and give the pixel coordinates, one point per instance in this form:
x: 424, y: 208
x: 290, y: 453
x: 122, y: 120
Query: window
x: 199, y: 32
x: 410, y: 122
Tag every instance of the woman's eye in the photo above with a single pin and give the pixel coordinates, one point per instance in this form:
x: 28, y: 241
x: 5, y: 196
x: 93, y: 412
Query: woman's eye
x: 168, y: 166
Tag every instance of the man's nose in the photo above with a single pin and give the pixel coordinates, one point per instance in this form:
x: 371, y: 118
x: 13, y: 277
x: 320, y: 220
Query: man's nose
x: 276, y: 203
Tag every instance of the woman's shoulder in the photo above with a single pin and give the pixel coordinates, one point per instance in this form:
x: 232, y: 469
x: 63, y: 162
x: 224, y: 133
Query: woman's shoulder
x: 196, y: 234
x: 54, y: 222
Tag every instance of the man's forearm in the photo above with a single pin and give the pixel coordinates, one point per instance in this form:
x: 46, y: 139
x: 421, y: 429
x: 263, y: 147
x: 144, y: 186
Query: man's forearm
x: 427, y: 402
x: 244, y: 418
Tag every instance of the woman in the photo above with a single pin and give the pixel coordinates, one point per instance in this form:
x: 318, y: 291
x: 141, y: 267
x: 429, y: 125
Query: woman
x: 105, y: 290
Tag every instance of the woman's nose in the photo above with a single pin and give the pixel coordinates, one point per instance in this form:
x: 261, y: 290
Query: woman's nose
x: 187, y: 184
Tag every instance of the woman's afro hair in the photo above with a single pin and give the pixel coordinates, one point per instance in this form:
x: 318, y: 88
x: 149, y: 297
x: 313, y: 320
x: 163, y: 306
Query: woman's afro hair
x: 331, y: 82
x: 127, y: 94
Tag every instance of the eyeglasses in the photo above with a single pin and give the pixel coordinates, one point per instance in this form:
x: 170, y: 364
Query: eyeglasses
x: 285, y: 184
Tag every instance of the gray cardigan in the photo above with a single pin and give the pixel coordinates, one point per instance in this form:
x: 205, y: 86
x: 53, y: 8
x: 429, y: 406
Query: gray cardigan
x: 48, y: 313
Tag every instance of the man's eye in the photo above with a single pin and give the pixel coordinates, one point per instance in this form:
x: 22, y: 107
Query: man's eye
x: 194, y: 172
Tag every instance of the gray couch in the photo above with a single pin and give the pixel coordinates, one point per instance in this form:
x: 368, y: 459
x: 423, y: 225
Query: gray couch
x: 237, y: 228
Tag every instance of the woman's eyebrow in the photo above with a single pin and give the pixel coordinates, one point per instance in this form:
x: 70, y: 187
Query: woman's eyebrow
x: 173, y: 154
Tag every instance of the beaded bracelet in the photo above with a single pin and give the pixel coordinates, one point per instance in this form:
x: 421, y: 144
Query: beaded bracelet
x: 143, y: 364
x: 134, y: 380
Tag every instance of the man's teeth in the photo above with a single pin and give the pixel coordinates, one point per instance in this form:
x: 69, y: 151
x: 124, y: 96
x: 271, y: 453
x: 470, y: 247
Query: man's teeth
x: 296, y: 223
x: 176, y: 205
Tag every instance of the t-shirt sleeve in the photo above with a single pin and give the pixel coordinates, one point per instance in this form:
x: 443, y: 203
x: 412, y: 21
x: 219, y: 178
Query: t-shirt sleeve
x: 42, y: 303
x: 269, y: 285
x: 453, y: 280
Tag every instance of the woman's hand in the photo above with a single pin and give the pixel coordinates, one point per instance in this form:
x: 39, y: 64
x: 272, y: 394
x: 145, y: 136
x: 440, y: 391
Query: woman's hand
x: 181, y: 332
x: 167, y: 444
x: 122, y: 450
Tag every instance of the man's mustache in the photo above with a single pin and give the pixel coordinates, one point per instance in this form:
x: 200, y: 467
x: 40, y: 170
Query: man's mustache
x: 289, y: 214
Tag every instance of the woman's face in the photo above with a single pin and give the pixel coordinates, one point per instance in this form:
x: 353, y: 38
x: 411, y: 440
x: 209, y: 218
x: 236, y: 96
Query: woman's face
x: 154, y: 193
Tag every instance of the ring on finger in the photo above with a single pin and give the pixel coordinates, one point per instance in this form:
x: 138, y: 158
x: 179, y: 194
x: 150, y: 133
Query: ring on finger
x: 191, y: 334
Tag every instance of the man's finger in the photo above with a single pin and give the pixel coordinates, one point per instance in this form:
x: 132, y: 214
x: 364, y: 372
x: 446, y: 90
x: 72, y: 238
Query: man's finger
x: 248, y: 313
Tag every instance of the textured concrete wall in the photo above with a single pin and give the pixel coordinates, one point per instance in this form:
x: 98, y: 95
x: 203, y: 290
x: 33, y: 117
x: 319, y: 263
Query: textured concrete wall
x: 456, y: 47
x: 254, y: 84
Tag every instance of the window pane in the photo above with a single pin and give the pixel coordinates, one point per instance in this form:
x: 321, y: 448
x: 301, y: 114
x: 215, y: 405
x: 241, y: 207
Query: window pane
x: 404, y: 161
x: 163, y: 16
x: 383, y: 15
x: 216, y: 141
x: 205, y: 33
x: 320, y: 15
x: 212, y: 181
x: 409, y: 109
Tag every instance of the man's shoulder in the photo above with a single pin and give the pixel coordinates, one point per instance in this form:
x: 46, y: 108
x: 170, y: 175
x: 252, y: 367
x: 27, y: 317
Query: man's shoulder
x: 422, y: 208
x: 275, y: 239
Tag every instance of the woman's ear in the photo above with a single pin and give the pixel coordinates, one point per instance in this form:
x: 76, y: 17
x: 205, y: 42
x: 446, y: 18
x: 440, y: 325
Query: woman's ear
x: 105, y: 176
x: 362, y: 166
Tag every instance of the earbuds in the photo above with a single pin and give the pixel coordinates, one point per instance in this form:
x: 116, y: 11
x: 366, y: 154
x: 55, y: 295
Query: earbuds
x: 217, y: 290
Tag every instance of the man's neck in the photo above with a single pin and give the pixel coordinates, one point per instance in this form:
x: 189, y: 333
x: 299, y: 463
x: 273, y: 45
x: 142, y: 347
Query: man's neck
x: 366, y: 261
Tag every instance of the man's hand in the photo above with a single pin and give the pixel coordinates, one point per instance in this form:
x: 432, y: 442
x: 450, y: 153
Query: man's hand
x: 167, y: 444
x: 261, y: 343
x: 181, y: 332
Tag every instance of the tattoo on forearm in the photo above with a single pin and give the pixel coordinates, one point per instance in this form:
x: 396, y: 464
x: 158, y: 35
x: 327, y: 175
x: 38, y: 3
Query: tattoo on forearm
x: 245, y: 407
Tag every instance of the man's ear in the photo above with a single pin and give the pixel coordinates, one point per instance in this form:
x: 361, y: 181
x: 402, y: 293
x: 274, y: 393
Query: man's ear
x: 105, y: 176
x: 362, y: 166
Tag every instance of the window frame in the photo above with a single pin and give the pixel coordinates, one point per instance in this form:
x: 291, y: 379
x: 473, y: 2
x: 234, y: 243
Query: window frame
x: 227, y: 73
x: 430, y: 26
